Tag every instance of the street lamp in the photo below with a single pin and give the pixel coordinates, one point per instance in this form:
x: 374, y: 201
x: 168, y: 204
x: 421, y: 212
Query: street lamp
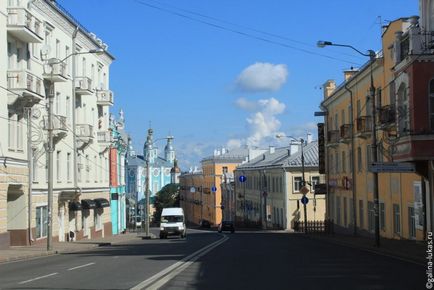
x: 303, y: 182
x: 372, y: 56
x: 50, y: 94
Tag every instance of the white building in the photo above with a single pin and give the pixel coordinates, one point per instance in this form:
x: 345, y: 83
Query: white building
x: 42, y: 45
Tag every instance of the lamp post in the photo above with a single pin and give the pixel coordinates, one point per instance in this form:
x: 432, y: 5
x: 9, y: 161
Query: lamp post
x: 371, y: 55
x: 50, y: 149
x: 303, y: 182
x: 149, y: 143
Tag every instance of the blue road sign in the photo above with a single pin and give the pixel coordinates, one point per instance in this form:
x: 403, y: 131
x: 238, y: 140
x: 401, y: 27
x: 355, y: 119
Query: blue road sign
x: 242, y: 178
x: 213, y: 189
x: 304, y: 200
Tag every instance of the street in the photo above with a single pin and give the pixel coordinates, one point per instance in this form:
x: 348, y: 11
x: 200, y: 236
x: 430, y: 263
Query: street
x: 208, y: 260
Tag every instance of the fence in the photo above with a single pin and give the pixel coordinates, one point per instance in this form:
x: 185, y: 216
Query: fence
x: 315, y: 227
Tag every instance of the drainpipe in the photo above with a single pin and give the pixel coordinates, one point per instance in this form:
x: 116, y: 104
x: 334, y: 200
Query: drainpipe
x: 30, y: 163
x: 353, y: 171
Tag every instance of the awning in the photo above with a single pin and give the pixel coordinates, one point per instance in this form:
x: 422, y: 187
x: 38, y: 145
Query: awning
x: 74, y: 206
x: 88, y: 204
x: 101, y: 202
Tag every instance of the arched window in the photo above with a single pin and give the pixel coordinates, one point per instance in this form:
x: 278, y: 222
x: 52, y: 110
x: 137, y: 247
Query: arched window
x: 403, y: 110
x: 431, y: 104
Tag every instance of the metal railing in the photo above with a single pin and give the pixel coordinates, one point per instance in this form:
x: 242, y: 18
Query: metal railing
x: 104, y: 137
x: 24, y: 80
x: 20, y: 16
x: 84, y: 130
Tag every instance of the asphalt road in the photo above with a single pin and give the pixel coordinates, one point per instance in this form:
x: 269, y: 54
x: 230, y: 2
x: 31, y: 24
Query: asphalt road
x: 208, y: 260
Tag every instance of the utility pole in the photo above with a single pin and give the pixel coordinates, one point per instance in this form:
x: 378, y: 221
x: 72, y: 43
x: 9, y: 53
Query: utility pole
x: 147, y: 196
x: 303, y: 184
x: 28, y: 110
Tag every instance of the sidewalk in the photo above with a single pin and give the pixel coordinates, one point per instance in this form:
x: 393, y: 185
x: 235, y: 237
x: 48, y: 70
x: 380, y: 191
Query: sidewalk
x: 40, y: 250
x: 401, y: 249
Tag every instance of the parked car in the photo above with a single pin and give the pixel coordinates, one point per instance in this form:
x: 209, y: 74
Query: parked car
x: 226, y: 226
x: 138, y: 221
x: 204, y: 224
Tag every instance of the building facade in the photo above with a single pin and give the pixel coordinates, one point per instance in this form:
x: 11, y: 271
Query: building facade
x: 46, y: 55
x: 118, y: 204
x: 201, y: 190
x: 403, y: 78
x: 268, y: 188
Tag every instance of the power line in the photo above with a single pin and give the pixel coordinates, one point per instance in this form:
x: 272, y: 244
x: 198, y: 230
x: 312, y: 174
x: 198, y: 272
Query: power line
x: 245, y: 34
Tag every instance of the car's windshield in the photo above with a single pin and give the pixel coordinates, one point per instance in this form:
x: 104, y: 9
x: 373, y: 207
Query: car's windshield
x: 172, y: 219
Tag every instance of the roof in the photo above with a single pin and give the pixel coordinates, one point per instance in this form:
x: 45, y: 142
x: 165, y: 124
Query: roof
x: 236, y: 155
x: 281, y: 158
x: 137, y: 160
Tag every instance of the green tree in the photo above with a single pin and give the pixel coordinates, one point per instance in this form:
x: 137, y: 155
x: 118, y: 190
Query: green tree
x: 168, y: 196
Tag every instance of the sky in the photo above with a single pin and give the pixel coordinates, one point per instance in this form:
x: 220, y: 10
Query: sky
x: 229, y: 73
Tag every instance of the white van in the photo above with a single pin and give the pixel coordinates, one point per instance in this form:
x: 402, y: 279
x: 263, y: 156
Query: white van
x: 172, y: 222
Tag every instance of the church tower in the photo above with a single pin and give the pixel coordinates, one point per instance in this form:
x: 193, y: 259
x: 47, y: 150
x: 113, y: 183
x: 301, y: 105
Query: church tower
x: 169, y: 152
x: 148, y: 148
x: 175, y: 172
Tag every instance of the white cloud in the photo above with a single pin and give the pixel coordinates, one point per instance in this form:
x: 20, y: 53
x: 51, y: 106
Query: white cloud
x: 263, y: 124
x: 260, y: 77
x: 245, y: 104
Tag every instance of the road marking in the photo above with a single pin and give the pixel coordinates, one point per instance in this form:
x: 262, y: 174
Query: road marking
x: 165, y: 275
x: 82, y: 266
x: 37, y: 278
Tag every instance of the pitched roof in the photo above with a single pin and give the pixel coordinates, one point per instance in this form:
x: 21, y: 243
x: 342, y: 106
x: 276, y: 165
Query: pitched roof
x: 281, y: 158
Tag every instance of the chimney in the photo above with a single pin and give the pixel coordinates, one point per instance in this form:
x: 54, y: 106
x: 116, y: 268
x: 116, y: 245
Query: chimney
x: 309, y: 138
x: 272, y: 149
x: 223, y: 150
x: 349, y: 73
x: 329, y: 88
x: 293, y: 148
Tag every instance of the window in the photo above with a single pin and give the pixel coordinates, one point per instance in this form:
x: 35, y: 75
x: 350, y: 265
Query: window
x: 68, y: 110
x: 41, y: 221
x: 396, y: 219
x: 351, y: 211
x: 359, y: 109
x: 332, y: 169
x: 10, y: 56
x: 314, y: 180
x: 68, y: 60
x: 68, y: 167
x: 57, y: 101
x: 336, y: 121
x: 20, y: 132
x: 359, y: 159
x: 95, y: 165
x: 57, y: 49
x: 411, y: 223
x: 371, y: 216
x: 338, y: 210
x: 297, y: 184
x: 58, y: 167
x: 87, y: 168
x: 368, y: 155
x: 344, y: 162
x: 11, y: 131
x: 83, y: 67
x: 79, y: 167
x: 403, y: 110
x: 361, y: 214
x: 431, y: 104
x: 337, y: 163
x: 35, y: 166
x: 343, y: 117
x: 100, y: 168
x: 345, y: 212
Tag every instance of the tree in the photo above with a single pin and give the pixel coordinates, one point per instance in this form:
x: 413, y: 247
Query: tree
x: 168, y: 196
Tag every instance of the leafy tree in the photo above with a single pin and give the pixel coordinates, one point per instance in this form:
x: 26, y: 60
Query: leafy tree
x: 168, y: 196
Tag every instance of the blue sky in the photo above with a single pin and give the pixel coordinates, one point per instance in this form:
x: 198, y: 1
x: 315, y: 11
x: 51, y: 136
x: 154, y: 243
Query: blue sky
x: 203, y: 71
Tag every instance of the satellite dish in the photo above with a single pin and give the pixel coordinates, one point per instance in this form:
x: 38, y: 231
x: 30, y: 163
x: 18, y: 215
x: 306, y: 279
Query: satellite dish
x: 46, y: 49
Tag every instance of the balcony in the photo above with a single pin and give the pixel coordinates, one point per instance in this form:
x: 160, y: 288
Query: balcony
x: 83, y: 86
x: 59, y: 126
x: 24, y: 26
x: 345, y: 133
x: 27, y: 88
x: 104, y: 97
x: 364, y: 126
x: 387, y: 117
x: 414, y: 147
x: 104, y: 137
x: 333, y: 137
x: 84, y: 134
x: 58, y: 74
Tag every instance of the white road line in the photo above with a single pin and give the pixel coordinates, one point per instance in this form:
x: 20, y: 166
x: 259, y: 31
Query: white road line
x: 37, y: 278
x: 157, y: 277
x: 82, y: 266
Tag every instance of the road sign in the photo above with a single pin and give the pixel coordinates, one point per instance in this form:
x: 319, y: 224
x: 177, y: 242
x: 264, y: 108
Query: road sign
x: 242, y: 178
x: 392, y: 167
x: 192, y: 189
x: 213, y: 189
x: 304, y: 190
x: 304, y: 199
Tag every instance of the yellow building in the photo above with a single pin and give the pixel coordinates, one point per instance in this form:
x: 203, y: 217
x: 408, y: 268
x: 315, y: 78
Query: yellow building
x: 348, y: 130
x: 201, y: 190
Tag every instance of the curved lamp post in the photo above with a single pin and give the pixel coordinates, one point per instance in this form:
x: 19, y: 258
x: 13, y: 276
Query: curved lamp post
x: 371, y: 54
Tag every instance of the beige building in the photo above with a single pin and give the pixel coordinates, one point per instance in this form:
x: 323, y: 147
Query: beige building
x: 270, y: 195
x: 42, y: 46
